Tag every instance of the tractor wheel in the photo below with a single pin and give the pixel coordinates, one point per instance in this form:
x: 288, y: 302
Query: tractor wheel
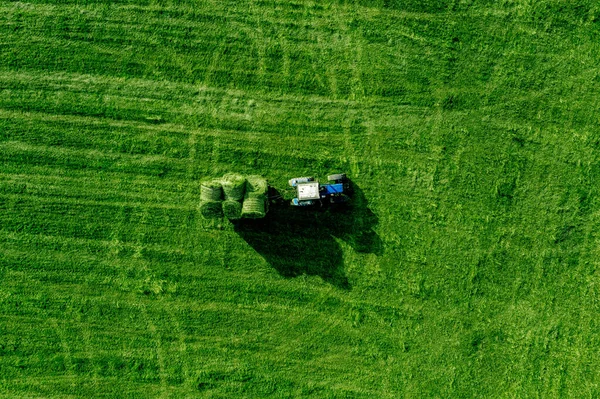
x: 337, y: 177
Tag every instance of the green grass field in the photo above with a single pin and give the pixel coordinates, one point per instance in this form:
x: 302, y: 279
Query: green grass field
x: 468, y: 264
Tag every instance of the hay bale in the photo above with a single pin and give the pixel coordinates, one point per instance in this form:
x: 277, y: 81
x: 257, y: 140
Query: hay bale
x: 211, y: 209
x: 253, y: 206
x: 211, y: 191
x: 232, y: 209
x: 256, y: 185
x: 234, y: 186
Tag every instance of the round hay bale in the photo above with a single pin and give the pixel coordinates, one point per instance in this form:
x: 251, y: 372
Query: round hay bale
x: 253, y: 207
x: 232, y: 209
x: 256, y: 185
x: 211, y: 191
x: 211, y: 209
x: 234, y: 186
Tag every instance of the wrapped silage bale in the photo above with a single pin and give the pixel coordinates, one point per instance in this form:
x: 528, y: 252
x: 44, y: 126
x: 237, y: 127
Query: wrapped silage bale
x: 211, y: 209
x: 256, y: 185
x: 211, y: 191
x: 253, y: 206
x: 234, y: 186
x: 232, y: 209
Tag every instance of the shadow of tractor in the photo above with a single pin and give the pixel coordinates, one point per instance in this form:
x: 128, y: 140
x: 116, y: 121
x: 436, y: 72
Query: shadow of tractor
x: 297, y: 241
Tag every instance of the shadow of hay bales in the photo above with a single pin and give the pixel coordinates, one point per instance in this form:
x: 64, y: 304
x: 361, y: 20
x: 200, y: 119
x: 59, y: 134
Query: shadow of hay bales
x: 297, y: 241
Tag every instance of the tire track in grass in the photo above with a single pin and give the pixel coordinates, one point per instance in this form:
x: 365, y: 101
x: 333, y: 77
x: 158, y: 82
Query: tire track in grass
x: 333, y: 82
x: 116, y: 245
x: 160, y: 356
x: 74, y: 159
x: 169, y: 133
x: 183, y: 349
x: 68, y: 359
x: 85, y: 246
x: 349, y: 147
x: 183, y: 114
x: 191, y: 195
x: 215, y: 150
x: 86, y: 336
x: 77, y: 201
x: 259, y: 41
x: 353, y: 50
x: 285, y: 59
x: 148, y: 277
x: 154, y: 31
x: 123, y: 164
x: 218, y: 54
x: 374, y: 145
x: 140, y: 235
x: 325, y: 45
x: 358, y: 91
x: 213, y: 65
x: 192, y: 144
x: 314, y: 49
x: 111, y: 190
x: 349, y: 119
x: 225, y: 239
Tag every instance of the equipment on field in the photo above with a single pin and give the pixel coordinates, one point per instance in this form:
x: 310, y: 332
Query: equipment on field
x: 247, y: 197
x: 310, y: 192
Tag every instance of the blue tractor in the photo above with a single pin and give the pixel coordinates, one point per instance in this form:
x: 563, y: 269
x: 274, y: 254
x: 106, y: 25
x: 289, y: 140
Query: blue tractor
x: 310, y: 192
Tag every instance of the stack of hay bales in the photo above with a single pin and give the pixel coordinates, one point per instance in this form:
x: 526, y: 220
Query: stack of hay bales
x: 211, y: 194
x: 255, y: 198
x: 234, y: 196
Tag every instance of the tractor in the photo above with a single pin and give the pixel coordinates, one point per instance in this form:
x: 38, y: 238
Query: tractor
x: 309, y: 192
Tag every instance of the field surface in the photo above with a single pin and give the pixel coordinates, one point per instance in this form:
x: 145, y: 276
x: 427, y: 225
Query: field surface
x: 467, y: 265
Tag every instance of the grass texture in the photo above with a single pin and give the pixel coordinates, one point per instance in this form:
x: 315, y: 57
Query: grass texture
x: 466, y: 265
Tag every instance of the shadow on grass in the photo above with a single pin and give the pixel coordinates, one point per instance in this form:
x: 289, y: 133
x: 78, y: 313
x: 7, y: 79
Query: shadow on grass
x: 297, y: 241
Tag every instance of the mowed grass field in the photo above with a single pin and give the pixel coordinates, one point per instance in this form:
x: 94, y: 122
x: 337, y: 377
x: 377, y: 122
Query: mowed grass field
x: 468, y: 264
